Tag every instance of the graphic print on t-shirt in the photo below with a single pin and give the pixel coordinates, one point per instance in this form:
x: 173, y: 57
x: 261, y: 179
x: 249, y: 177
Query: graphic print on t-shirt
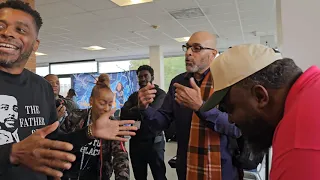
x: 8, y: 119
x: 13, y: 118
x: 92, y: 148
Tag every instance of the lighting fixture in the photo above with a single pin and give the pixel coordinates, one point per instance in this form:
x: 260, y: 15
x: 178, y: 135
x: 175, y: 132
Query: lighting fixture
x: 130, y: 2
x: 94, y: 48
x: 40, y: 54
x: 182, y: 39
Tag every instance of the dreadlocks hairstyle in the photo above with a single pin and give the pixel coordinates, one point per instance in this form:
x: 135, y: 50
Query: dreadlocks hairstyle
x: 25, y: 7
x: 102, y: 83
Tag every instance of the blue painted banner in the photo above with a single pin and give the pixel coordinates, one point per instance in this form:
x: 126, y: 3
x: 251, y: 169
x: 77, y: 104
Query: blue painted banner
x: 123, y: 84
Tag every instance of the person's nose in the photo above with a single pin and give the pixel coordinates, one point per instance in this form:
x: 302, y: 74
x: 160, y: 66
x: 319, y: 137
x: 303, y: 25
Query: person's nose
x: 189, y: 52
x: 107, y: 108
x: 7, y: 33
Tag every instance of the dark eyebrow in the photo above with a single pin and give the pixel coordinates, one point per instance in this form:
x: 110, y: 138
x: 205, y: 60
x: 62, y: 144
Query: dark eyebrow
x: 22, y: 24
x: 3, y: 21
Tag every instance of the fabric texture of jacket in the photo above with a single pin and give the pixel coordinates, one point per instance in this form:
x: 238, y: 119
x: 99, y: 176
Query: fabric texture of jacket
x: 115, y: 157
x: 130, y: 111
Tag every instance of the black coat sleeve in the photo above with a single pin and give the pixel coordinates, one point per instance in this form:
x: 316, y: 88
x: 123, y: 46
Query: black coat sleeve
x: 130, y: 111
x: 157, y: 103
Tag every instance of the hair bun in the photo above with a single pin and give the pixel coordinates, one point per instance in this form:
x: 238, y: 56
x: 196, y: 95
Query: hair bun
x: 104, y: 79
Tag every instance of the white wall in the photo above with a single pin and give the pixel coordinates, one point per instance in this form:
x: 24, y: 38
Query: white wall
x: 300, y: 30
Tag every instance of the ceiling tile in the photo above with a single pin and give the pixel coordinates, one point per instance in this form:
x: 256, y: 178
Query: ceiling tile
x: 176, y: 32
x: 138, y: 39
x: 145, y: 8
x: 119, y: 41
x: 215, y: 2
x: 256, y: 14
x: 41, y: 2
x: 150, y: 33
x: 231, y: 31
x: 204, y: 27
x: 219, y: 9
x: 54, y: 30
x: 58, y: 9
x: 223, y: 17
x: 72, y: 24
x: 82, y: 18
x: 156, y: 18
x: 125, y: 24
x: 56, y: 38
x: 170, y: 5
x: 129, y: 45
x: 194, y: 21
x: 91, y: 5
x: 217, y: 23
x: 250, y: 21
x: 114, y: 13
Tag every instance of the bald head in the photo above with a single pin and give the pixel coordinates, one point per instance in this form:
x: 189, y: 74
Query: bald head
x: 204, y: 38
x: 200, y: 52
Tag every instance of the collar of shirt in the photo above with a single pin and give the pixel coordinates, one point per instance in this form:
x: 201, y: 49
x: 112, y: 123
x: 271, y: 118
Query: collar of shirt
x: 190, y: 75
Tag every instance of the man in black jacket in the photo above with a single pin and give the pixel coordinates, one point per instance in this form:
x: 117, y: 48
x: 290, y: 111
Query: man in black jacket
x: 147, y: 147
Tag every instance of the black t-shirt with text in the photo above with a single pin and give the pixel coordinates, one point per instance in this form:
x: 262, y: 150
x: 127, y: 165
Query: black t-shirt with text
x: 87, y: 163
x: 26, y: 104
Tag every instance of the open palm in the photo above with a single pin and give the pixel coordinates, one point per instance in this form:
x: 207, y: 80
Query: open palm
x: 107, y: 129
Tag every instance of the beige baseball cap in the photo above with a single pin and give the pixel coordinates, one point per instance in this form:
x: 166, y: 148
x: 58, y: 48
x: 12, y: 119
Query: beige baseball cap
x: 236, y: 64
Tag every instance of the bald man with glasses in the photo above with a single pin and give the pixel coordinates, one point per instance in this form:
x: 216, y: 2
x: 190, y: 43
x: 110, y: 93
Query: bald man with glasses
x: 202, y: 137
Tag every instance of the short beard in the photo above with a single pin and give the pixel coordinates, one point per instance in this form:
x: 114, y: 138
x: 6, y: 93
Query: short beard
x: 258, y: 133
x: 21, y: 59
x: 192, y: 69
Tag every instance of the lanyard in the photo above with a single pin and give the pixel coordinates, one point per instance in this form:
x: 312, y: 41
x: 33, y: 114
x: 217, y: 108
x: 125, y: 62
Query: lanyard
x: 82, y: 158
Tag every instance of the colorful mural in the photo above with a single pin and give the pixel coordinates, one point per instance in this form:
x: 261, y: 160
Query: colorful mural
x: 123, y: 84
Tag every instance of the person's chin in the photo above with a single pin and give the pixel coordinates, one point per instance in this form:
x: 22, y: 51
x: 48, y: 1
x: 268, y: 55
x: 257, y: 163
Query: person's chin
x: 142, y: 85
x: 260, y: 143
x: 7, y: 62
x: 259, y: 139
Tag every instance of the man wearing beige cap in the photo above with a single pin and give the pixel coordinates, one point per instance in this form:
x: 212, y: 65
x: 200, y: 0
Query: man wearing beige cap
x: 274, y: 103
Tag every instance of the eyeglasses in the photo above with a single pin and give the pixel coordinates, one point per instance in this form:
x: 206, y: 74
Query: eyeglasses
x: 194, y: 48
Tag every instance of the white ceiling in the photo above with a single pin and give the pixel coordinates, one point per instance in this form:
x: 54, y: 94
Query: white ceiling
x: 125, y: 31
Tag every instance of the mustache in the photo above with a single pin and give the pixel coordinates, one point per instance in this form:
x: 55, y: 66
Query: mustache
x: 9, y: 41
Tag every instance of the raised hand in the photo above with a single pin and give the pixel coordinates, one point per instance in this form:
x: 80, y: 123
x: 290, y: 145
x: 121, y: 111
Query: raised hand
x: 61, y: 111
x: 146, y: 96
x: 107, y: 129
x: 43, y: 155
x: 189, y: 97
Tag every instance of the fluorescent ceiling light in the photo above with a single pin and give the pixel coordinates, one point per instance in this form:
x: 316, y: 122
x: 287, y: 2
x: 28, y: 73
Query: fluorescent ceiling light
x: 40, y: 54
x: 182, y: 39
x: 130, y: 2
x: 94, y: 48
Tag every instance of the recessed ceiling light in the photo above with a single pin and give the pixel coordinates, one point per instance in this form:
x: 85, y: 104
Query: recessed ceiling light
x: 130, y: 2
x: 40, y: 54
x: 182, y: 39
x: 94, y: 48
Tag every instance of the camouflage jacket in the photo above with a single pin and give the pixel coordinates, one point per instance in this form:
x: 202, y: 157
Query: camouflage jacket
x: 114, y: 157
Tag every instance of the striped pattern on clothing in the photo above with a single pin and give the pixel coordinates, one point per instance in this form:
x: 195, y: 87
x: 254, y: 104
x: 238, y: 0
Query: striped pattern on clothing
x: 203, y: 157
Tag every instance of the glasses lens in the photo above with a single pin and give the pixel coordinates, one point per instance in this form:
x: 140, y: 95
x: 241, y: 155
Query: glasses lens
x: 196, y: 48
x: 184, y: 48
